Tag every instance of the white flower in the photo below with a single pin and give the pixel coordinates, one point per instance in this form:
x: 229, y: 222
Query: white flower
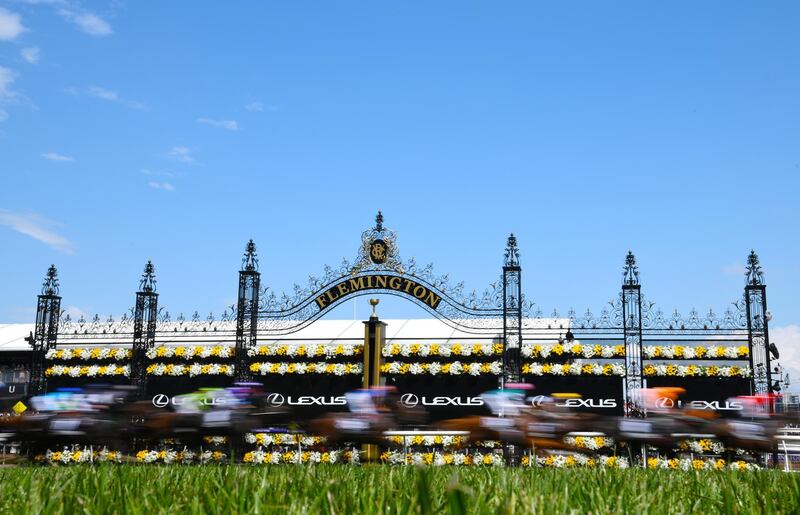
x: 252, y: 351
x: 394, y: 367
x: 416, y: 369
x: 150, y: 353
x: 473, y: 369
x: 301, y: 368
x: 50, y: 354
x: 607, y: 351
x: 456, y: 368
x: 214, y: 369
x: 445, y: 351
x: 486, y: 349
x: 405, y: 350
x: 424, y: 350
x: 434, y: 368
x: 527, y: 350
x: 195, y: 369
x: 546, y: 350
x: 349, y: 350
x: 93, y: 370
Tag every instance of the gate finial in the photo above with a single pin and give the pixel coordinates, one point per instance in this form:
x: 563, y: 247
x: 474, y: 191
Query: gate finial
x: 250, y: 259
x: 50, y: 285
x: 379, y: 221
x: 753, y: 273
x: 512, y: 252
x: 148, y: 282
x: 630, y: 273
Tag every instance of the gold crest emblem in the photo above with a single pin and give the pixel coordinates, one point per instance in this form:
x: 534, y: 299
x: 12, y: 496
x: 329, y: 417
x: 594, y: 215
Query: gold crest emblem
x: 378, y: 251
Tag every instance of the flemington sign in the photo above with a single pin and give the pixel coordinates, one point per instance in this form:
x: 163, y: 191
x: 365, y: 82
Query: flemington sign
x: 379, y: 282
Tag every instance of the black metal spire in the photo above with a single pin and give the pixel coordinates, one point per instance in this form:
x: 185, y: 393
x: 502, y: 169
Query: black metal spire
x: 148, y: 282
x: 50, y: 285
x: 250, y: 259
x: 512, y: 252
x: 379, y: 221
x: 753, y: 271
x: 630, y: 273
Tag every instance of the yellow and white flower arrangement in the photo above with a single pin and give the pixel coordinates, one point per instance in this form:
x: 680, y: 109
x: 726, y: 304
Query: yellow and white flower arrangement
x: 695, y: 352
x: 686, y: 464
x: 184, y: 456
x: 87, y: 371
x: 190, y: 351
x: 267, y: 439
x: 664, y: 369
x: 306, y: 351
x: 76, y: 454
x: 575, y: 349
x: 336, y: 369
x: 193, y: 370
x: 434, y: 349
x: 436, y: 368
x: 442, y: 458
x: 591, y: 443
x: 260, y: 456
x: 90, y: 353
x: 702, y: 446
x: 578, y: 460
x: 576, y: 368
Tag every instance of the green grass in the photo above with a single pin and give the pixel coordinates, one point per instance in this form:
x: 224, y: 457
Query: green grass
x: 152, y: 489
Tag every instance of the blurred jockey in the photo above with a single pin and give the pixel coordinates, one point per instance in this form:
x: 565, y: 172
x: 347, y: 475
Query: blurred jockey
x: 661, y: 400
x: 508, y: 401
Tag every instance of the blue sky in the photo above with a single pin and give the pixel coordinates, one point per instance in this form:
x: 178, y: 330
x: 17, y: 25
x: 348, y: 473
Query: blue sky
x: 175, y: 131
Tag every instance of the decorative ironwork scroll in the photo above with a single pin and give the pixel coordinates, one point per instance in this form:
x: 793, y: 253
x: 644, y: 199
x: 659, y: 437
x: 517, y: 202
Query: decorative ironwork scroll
x: 755, y: 299
x: 144, y: 325
x: 48, y: 311
x: 379, y: 269
x: 247, y: 310
x: 632, y: 329
x: 512, y: 313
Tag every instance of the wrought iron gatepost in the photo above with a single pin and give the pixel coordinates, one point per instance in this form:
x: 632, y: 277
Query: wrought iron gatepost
x: 512, y: 313
x: 247, y: 311
x: 632, y: 329
x: 48, y: 311
x: 144, y: 326
x: 755, y: 299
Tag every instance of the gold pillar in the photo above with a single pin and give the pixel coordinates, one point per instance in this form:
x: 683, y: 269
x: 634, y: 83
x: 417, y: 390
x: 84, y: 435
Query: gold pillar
x: 374, y: 340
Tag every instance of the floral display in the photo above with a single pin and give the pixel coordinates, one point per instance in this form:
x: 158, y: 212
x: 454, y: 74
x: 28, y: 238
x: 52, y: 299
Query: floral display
x: 193, y: 370
x: 574, y: 369
x: 87, y: 370
x: 336, y: 369
x: 591, y: 443
x: 577, y: 460
x: 190, y: 352
x: 442, y: 458
x: 215, y: 440
x: 436, y: 368
x: 576, y: 349
x: 184, y: 456
x: 424, y: 440
x: 434, y: 349
x: 295, y: 457
x: 695, y: 370
x: 699, y: 464
x: 303, y: 350
x: 702, y: 446
x: 77, y: 454
x: 266, y: 439
x: 98, y: 353
x: 694, y: 352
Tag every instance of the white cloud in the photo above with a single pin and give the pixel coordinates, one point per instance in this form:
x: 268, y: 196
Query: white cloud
x: 182, y: 154
x: 735, y: 270
x: 157, y: 173
x: 88, y: 22
x: 113, y: 96
x: 166, y: 186
x: 255, y: 107
x: 7, y: 78
x: 30, y: 54
x: 231, y: 125
x: 54, y: 156
x: 787, y: 339
x: 10, y: 25
x: 38, y: 228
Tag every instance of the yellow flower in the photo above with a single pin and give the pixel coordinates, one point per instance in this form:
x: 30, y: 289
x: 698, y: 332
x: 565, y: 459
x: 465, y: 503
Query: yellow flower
x: 414, y: 348
x: 587, y: 369
x: 434, y: 349
x: 526, y: 368
x: 248, y: 457
x: 698, y: 464
x: 649, y: 370
x: 254, y: 367
x: 607, y: 369
x: 537, y: 350
x: 657, y: 352
x: 49, y: 371
x: 547, y: 368
x: 742, y: 351
x: 558, y: 349
x: 712, y: 370
x: 700, y: 351
x: 672, y: 370
x: 652, y: 463
x: 576, y: 348
x: 679, y: 351
x: 497, y: 348
x: 619, y: 350
x: 180, y: 351
x: 140, y: 455
x: 457, y: 349
x: 161, y: 352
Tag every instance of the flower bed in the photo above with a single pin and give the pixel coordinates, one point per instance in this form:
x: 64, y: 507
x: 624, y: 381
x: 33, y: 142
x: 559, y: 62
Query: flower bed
x: 190, y: 351
x: 336, y: 369
x: 695, y: 370
x: 573, y: 369
x: 96, y: 353
x: 575, y: 349
x: 303, y: 350
x: 695, y: 352
x: 193, y: 370
x: 434, y: 349
x: 87, y: 370
x: 436, y: 368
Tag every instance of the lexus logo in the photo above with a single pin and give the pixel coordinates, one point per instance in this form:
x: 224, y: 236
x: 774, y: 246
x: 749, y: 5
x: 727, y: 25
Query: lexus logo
x: 160, y: 400
x: 665, y: 402
x: 275, y: 400
x: 409, y: 399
